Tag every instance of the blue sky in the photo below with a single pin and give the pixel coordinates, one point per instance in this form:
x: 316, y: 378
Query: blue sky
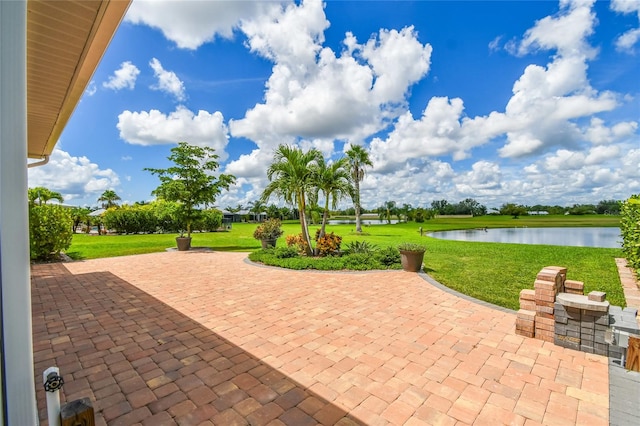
x: 500, y: 101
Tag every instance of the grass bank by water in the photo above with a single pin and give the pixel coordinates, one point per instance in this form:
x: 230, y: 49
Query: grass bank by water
x: 488, y: 271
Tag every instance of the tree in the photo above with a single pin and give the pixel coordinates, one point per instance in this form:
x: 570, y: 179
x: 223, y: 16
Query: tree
x: 358, y: 159
x: 79, y: 215
x: 109, y: 198
x: 235, y: 209
x: 387, y: 210
x: 510, y: 209
x: 257, y: 207
x: 441, y: 207
x: 608, y: 207
x: 190, y: 181
x: 333, y: 180
x: 291, y: 178
x: 42, y: 195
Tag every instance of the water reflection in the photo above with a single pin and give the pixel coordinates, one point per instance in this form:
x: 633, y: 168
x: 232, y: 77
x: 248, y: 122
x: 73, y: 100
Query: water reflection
x: 579, y: 237
x: 364, y: 222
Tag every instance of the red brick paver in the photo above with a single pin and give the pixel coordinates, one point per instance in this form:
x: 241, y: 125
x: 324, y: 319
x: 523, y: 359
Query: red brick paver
x: 203, y: 337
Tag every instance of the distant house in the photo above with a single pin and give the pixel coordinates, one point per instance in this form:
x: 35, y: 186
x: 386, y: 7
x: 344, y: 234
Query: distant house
x: 242, y: 216
x: 539, y: 213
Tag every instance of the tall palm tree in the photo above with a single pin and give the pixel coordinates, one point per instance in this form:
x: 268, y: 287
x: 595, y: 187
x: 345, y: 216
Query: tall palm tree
x: 109, y: 198
x: 257, y: 207
x: 333, y: 180
x: 42, y: 195
x: 358, y: 159
x: 291, y: 178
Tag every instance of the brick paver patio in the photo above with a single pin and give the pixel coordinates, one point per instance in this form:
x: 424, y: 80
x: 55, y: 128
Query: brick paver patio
x: 206, y: 338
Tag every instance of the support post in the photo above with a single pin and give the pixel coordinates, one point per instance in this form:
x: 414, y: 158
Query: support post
x: 18, y: 383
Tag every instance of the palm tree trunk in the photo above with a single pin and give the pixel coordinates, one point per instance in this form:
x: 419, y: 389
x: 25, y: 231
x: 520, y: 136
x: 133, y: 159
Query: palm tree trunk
x: 303, y: 225
x: 325, y: 218
x: 357, y: 206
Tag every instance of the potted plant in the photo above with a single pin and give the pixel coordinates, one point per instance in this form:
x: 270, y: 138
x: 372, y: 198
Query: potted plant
x: 191, y: 183
x: 268, y: 232
x: 411, y: 256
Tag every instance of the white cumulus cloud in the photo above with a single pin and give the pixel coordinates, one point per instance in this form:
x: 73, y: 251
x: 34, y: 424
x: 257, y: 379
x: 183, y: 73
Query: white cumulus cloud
x: 123, y: 78
x: 627, y: 40
x: 155, y: 128
x: 73, y: 177
x: 190, y: 24
x: 168, y: 81
x: 314, y: 93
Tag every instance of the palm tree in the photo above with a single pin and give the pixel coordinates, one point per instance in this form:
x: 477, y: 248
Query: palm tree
x: 257, y: 207
x: 42, y: 195
x: 358, y: 159
x: 333, y: 180
x: 291, y: 177
x: 109, y: 198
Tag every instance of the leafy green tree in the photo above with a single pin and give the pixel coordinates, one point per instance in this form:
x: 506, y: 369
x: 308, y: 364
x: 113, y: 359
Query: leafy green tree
x: 285, y: 212
x: 79, y: 215
x: 608, y: 207
x: 388, y: 210
x: 273, y: 212
x: 190, y: 181
x: 358, y: 159
x: 257, y: 207
x: 333, y: 180
x: 109, y: 198
x: 407, y: 211
x: 515, y: 210
x: 42, y: 195
x: 291, y: 178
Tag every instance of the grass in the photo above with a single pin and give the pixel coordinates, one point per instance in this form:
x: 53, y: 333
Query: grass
x: 488, y: 271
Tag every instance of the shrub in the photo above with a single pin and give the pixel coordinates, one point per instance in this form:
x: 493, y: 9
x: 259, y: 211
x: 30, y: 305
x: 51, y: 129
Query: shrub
x: 412, y: 247
x: 130, y: 219
x: 328, y: 245
x: 360, y: 247
x: 387, y: 256
x: 209, y: 220
x: 270, y: 229
x: 50, y: 230
x: 297, y: 241
x: 285, y: 252
x: 630, y: 230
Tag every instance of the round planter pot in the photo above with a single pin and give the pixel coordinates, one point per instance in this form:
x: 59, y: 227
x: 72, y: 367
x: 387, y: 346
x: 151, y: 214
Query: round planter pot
x: 268, y: 243
x: 411, y: 260
x: 184, y: 243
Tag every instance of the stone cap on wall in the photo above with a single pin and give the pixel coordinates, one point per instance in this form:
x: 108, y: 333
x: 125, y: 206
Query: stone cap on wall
x: 579, y: 301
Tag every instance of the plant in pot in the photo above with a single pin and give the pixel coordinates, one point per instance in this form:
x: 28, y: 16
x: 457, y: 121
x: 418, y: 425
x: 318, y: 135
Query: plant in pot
x: 411, y: 256
x: 268, y: 232
x: 191, y: 183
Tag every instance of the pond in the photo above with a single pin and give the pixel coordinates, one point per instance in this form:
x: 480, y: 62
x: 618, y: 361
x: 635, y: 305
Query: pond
x: 578, y: 237
x: 364, y: 222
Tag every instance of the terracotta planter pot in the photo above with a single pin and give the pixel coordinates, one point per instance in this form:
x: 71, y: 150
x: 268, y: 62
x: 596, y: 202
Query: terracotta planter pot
x: 411, y: 260
x: 184, y: 243
x: 268, y: 243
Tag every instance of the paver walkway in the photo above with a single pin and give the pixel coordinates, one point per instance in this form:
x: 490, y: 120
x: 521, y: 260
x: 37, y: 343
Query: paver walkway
x: 205, y: 338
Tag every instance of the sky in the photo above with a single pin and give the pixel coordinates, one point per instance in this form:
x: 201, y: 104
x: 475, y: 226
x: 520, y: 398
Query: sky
x: 526, y: 102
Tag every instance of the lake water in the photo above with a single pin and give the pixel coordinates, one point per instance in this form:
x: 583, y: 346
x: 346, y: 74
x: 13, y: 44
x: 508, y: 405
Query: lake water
x: 580, y: 237
x: 364, y: 222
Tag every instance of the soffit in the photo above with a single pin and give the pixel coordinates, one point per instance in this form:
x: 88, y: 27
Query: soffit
x: 65, y: 42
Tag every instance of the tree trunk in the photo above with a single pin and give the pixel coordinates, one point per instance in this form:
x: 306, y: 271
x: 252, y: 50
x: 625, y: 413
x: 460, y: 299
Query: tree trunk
x: 357, y: 206
x: 325, y: 217
x: 303, y: 225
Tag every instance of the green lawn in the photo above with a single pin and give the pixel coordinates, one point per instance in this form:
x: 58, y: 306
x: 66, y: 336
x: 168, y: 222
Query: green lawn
x: 488, y: 271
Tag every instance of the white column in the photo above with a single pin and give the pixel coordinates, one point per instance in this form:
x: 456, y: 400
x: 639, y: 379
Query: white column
x: 19, y: 397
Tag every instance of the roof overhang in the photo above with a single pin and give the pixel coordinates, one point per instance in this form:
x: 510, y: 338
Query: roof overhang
x: 65, y: 42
